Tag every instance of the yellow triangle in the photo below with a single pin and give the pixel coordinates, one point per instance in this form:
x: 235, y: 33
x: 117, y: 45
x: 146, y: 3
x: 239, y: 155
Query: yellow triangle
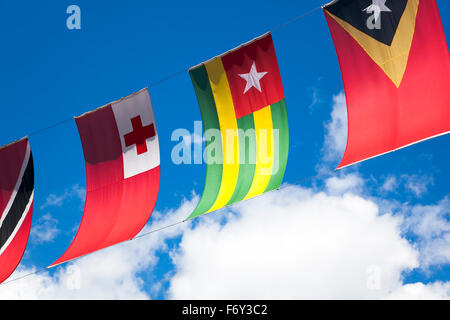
x: 394, y: 58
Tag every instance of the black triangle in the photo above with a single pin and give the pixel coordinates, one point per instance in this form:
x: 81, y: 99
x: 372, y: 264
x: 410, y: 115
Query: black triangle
x: 353, y: 12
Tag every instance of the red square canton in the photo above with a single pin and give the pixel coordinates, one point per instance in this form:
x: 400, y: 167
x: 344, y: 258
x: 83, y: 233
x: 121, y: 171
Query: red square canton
x: 253, y: 75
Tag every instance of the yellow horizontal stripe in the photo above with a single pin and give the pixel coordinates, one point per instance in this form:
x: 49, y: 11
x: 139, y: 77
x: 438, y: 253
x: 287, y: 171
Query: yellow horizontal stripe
x: 229, y: 129
x: 265, y: 151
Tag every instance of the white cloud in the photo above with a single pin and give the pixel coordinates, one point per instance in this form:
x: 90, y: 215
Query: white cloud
x: 112, y: 273
x: 420, y: 291
x: 344, y: 183
x: 54, y: 200
x: 308, y: 244
x: 390, y: 184
x: 417, y: 184
x: 294, y: 244
x: 44, y: 229
x: 336, y: 130
x: 315, y: 98
x: 431, y: 225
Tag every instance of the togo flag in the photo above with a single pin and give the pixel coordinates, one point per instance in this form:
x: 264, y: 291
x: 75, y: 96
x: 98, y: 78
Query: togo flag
x: 121, y: 151
x: 241, y: 98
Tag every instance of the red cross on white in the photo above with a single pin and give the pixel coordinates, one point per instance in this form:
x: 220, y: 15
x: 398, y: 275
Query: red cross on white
x: 139, y: 135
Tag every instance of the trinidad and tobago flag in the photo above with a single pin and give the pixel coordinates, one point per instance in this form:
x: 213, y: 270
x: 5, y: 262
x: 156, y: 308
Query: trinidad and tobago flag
x: 16, y: 203
x: 121, y: 150
x: 395, y: 66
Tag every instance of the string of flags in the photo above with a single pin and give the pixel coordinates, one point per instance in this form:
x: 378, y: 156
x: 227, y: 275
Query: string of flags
x: 395, y: 66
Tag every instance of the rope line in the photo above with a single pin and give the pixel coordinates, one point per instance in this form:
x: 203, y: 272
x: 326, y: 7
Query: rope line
x: 177, y: 73
x: 296, y: 19
x: 179, y: 222
x: 155, y: 83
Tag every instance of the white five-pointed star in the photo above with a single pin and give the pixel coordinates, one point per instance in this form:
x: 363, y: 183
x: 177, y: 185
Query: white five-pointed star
x: 252, y: 78
x: 377, y: 7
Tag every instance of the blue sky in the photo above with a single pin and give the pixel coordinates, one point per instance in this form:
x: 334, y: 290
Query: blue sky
x: 50, y: 73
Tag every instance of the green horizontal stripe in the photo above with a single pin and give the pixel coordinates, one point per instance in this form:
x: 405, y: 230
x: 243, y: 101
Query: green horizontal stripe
x: 247, y: 158
x: 280, y: 122
x: 208, y: 110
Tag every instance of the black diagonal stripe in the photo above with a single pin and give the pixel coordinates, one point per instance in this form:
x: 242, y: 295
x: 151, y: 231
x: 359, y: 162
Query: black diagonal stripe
x: 17, y: 209
x: 352, y: 11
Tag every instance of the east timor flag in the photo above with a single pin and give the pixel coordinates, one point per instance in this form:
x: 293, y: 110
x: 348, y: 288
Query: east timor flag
x: 395, y: 67
x: 241, y: 101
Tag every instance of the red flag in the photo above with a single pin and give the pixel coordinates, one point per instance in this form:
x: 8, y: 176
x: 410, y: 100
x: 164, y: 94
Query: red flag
x: 395, y: 66
x: 121, y: 150
x: 16, y: 203
x: 253, y: 76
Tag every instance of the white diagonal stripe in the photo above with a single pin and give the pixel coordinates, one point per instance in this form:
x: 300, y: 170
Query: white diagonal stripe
x: 19, y: 224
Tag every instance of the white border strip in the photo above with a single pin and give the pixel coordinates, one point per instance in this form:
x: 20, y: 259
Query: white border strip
x: 19, y: 224
x: 381, y: 154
